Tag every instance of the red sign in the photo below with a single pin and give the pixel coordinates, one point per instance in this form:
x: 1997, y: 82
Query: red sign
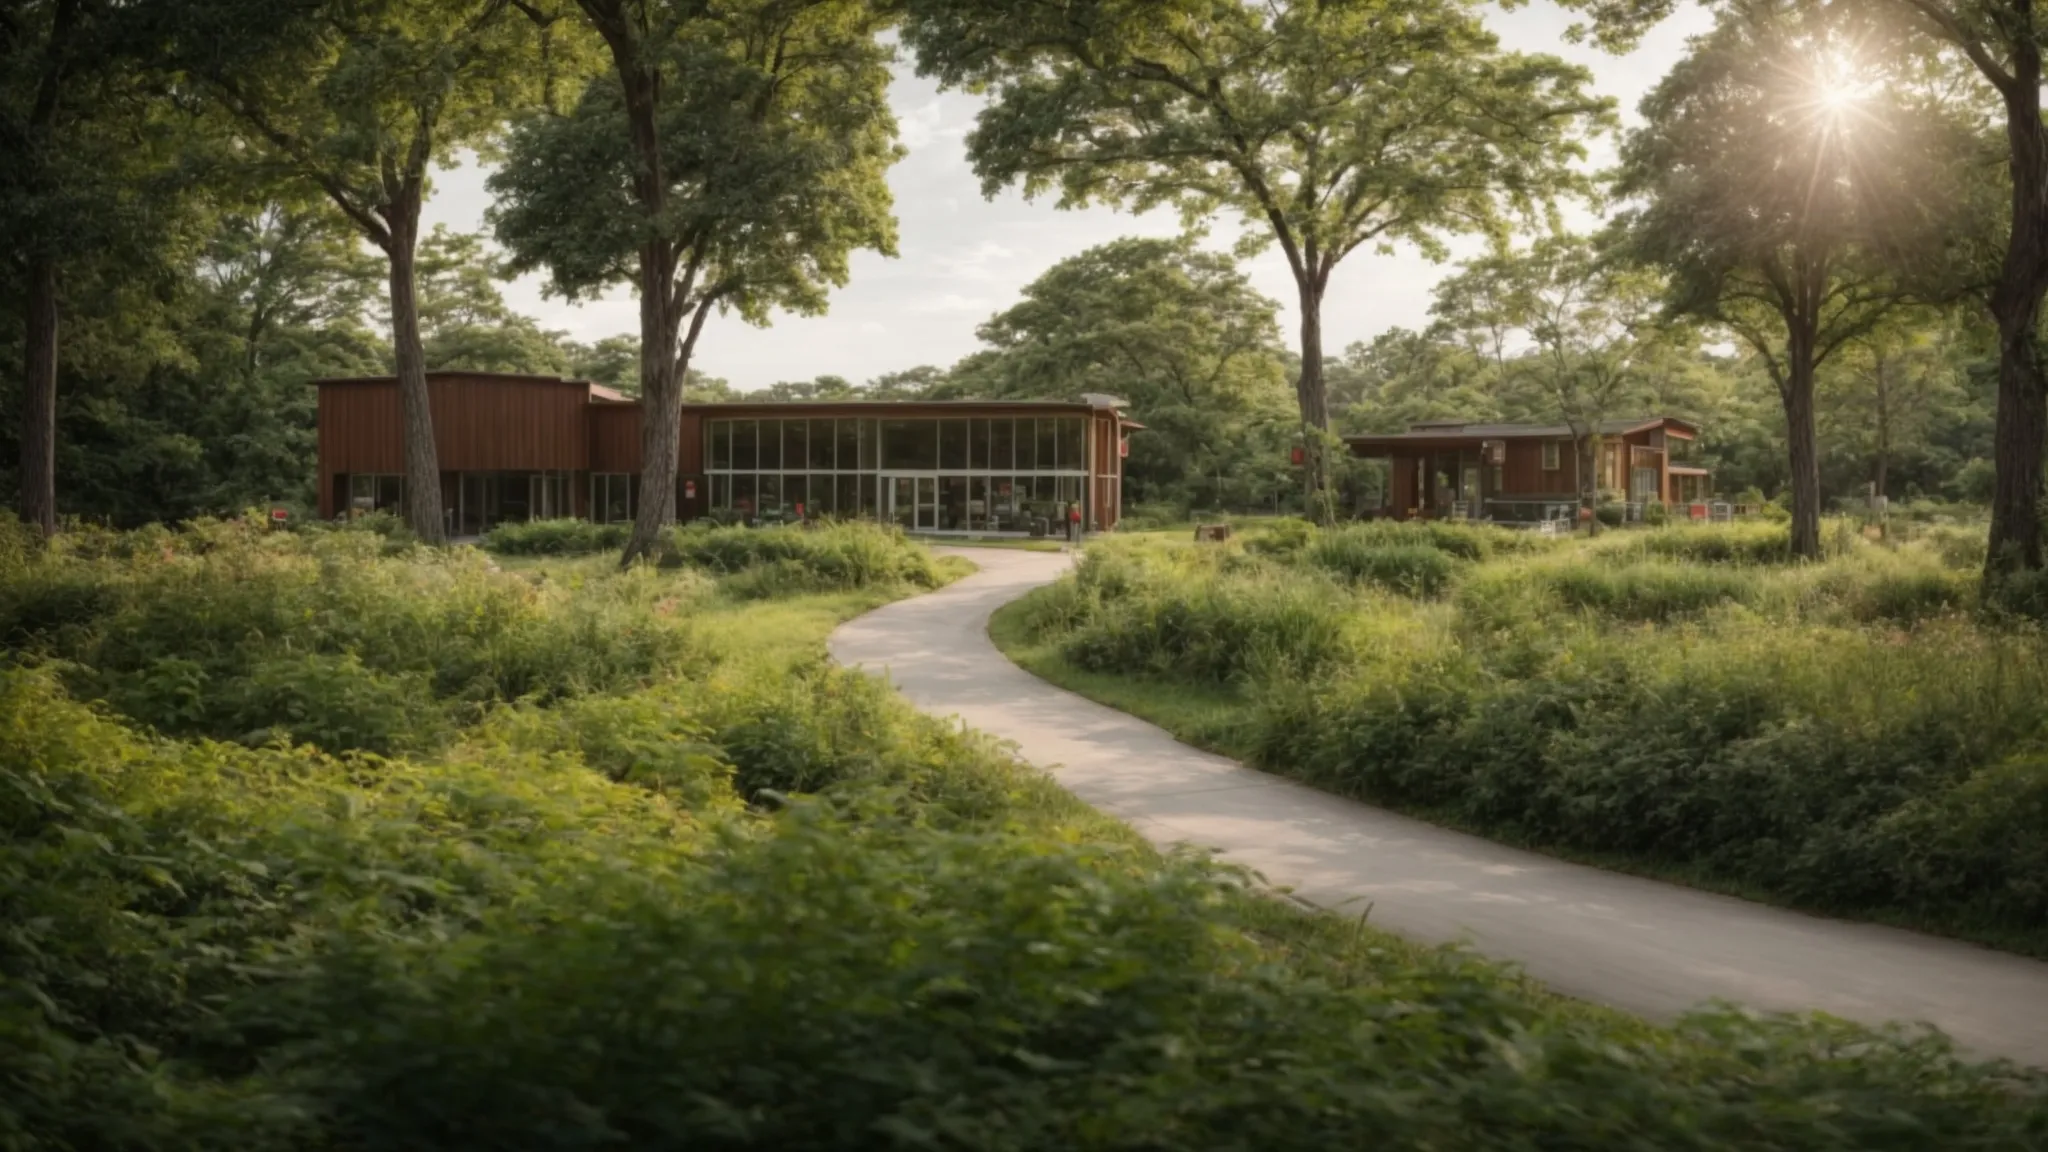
x: 1296, y: 457
x: 689, y: 489
x: 280, y: 514
x: 799, y: 509
x: 1123, y: 447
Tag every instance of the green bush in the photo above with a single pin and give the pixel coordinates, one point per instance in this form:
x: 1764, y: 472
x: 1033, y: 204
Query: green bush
x: 1410, y: 569
x: 1744, y: 543
x: 561, y: 927
x: 556, y: 538
x: 854, y: 554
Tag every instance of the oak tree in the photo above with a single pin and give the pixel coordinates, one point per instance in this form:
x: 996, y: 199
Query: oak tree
x: 735, y: 159
x: 358, y: 100
x: 1327, y: 125
x: 1781, y: 192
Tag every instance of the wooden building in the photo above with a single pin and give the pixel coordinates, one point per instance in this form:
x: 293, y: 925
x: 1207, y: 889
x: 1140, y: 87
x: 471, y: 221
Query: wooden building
x: 1528, y: 472
x: 535, y: 447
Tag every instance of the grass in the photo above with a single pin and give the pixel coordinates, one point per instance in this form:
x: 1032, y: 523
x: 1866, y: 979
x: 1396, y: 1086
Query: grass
x: 706, y: 889
x: 1823, y: 736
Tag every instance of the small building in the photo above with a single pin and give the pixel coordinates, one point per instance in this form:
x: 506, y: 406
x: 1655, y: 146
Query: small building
x: 1525, y: 473
x: 539, y: 447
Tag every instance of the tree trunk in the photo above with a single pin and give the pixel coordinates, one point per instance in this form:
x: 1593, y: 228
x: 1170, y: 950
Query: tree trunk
x: 661, y: 403
x: 1587, y: 447
x: 1309, y: 390
x: 2016, y: 305
x: 39, y: 400
x: 1803, y: 444
x: 422, y: 461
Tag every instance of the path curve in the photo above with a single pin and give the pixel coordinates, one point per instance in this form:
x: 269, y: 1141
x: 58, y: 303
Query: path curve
x: 1637, y: 944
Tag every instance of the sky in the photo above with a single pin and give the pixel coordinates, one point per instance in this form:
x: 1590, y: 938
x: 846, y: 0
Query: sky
x: 962, y: 258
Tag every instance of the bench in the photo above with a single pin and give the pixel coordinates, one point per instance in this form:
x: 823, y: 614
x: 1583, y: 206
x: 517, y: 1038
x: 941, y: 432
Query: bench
x: 1215, y: 533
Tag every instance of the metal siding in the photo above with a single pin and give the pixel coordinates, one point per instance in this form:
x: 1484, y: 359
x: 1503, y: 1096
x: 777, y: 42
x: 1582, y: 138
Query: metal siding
x: 614, y: 437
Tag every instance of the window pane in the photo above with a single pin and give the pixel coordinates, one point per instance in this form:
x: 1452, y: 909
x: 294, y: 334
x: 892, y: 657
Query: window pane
x: 953, y: 502
x: 821, y: 446
x: 1002, y: 444
x: 796, y: 439
x: 388, y: 492
x: 1027, y: 445
x: 910, y: 444
x: 1048, y: 434
x: 1070, y: 490
x: 771, y: 444
x: 1007, y: 513
x: 721, y: 491
x: 771, y: 494
x: 870, y: 454
x: 720, y: 432
x: 743, y: 493
x: 870, y: 489
x: 977, y: 496
x: 847, y: 504
x: 362, y: 487
x: 1072, y: 458
x: 796, y: 494
x: 849, y: 445
x: 977, y: 445
x: 745, y: 437
x: 953, y: 444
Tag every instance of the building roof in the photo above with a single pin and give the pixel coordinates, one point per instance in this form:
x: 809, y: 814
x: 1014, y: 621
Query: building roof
x: 1440, y: 430
x: 1092, y: 402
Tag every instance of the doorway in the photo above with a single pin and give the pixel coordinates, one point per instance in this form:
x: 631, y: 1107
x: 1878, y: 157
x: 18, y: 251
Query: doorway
x: 913, y: 502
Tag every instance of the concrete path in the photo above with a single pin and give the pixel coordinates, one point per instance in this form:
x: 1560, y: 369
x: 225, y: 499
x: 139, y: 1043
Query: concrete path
x: 1636, y: 944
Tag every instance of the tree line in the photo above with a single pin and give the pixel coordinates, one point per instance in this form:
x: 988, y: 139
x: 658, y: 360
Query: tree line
x: 1818, y: 182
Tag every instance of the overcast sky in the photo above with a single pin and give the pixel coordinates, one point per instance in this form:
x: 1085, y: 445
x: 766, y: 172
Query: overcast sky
x: 963, y: 258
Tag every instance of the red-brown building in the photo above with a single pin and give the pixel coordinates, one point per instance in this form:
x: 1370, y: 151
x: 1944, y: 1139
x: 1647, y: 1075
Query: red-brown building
x: 1530, y: 472
x: 534, y: 447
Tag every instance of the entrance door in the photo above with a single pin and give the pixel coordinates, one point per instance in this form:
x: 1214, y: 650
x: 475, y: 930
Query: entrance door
x: 913, y: 502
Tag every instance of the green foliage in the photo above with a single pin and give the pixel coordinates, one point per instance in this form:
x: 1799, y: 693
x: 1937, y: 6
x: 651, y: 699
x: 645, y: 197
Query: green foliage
x: 1678, y: 698
x: 783, y: 561
x: 554, y: 538
x: 533, y: 934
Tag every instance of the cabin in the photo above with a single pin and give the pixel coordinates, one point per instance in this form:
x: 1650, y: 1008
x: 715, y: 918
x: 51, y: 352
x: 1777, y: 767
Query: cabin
x: 517, y: 448
x: 1529, y: 473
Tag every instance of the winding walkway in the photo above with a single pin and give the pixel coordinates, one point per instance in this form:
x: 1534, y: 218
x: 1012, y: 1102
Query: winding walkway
x: 1648, y: 947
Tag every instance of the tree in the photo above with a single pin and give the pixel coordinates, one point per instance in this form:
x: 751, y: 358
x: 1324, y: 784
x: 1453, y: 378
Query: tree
x: 1404, y: 377
x: 1178, y: 332
x: 1781, y: 195
x: 1888, y: 392
x: 734, y: 160
x: 89, y: 176
x: 464, y: 320
x: 2003, y: 42
x: 1571, y: 325
x: 357, y: 100
x: 1328, y: 125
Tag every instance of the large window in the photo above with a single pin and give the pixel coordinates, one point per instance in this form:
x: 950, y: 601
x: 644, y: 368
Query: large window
x: 980, y: 474
x: 611, y: 496
x: 373, y: 492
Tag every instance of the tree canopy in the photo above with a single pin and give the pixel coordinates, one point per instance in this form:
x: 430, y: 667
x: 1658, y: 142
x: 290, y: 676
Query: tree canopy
x: 735, y: 160
x: 1326, y: 125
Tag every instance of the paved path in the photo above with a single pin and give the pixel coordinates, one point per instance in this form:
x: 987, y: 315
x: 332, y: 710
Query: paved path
x: 1636, y: 944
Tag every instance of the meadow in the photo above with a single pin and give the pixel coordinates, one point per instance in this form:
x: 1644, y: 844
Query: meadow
x: 322, y: 840
x: 1858, y: 737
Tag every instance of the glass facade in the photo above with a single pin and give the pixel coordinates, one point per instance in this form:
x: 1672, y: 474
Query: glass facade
x: 928, y: 474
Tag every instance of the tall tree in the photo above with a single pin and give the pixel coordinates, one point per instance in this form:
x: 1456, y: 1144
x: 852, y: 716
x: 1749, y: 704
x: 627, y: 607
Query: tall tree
x: 1577, y: 329
x: 1781, y: 191
x: 357, y: 100
x: 87, y: 176
x: 1178, y: 332
x: 1888, y: 392
x: 2003, y: 42
x: 1328, y: 125
x: 735, y: 159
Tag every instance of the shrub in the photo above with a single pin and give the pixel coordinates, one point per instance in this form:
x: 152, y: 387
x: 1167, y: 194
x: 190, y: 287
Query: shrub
x: 1610, y: 514
x: 854, y: 554
x: 1410, y: 569
x: 1745, y: 543
x: 556, y: 538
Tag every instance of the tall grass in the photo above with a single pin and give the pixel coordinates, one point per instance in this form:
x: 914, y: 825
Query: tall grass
x: 1802, y: 731
x: 736, y: 902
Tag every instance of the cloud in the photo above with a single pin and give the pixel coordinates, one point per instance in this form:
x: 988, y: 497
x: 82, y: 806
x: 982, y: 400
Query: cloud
x: 870, y: 328
x: 954, y: 302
